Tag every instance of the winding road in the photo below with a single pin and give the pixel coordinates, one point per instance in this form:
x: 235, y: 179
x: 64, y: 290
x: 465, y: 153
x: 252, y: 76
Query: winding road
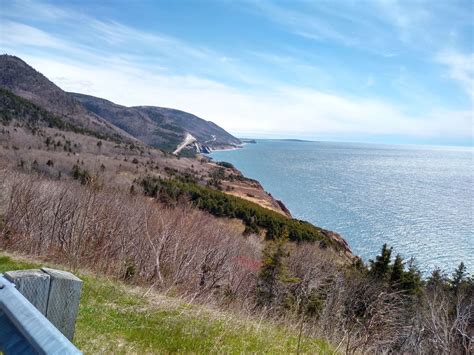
x: 187, y: 140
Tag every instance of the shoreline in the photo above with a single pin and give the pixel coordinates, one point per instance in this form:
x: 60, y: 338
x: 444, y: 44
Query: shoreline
x: 332, y: 197
x: 226, y: 149
x: 338, y: 238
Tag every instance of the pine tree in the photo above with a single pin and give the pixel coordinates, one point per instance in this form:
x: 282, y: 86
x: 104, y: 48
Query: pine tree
x: 273, y: 271
x: 76, y: 172
x: 273, y: 274
x: 381, y: 266
x: 411, y: 281
x: 396, y: 276
x: 458, y: 277
x: 436, y: 280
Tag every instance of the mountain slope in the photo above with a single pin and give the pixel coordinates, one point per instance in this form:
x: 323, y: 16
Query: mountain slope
x: 156, y: 126
x: 160, y: 127
x: 23, y: 113
x: 24, y: 81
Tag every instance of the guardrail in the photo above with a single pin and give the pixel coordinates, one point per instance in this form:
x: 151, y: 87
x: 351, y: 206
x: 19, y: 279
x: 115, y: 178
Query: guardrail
x: 38, y: 310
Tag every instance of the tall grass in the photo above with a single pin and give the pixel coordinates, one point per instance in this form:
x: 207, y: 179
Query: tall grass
x: 115, y: 318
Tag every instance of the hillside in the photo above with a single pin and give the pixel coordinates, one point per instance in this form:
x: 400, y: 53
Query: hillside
x: 39, y: 138
x: 24, y: 81
x: 31, y: 134
x: 92, y: 199
x: 156, y: 126
x: 118, y: 318
x: 40, y: 104
x: 160, y: 127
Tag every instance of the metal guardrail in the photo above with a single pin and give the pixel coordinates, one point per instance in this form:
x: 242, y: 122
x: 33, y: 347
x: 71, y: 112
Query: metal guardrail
x: 24, y: 329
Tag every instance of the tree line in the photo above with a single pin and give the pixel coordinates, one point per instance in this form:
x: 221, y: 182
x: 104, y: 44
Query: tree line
x: 220, y: 204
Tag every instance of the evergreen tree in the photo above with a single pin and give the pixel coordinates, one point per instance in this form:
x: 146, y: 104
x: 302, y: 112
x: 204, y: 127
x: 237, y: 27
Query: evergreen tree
x: 35, y: 166
x: 396, y: 276
x: 458, y: 277
x: 273, y: 271
x: 76, y: 172
x: 436, y: 280
x: 381, y: 266
x: 411, y: 281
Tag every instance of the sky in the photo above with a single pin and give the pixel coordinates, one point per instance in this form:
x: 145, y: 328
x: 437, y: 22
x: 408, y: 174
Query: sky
x: 383, y: 71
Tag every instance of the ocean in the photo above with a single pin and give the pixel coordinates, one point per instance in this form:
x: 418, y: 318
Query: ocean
x: 417, y: 199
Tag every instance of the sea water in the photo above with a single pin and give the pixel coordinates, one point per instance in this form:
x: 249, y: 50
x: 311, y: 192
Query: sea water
x: 417, y: 199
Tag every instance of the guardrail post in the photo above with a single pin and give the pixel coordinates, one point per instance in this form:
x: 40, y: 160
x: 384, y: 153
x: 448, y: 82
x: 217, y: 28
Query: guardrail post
x: 63, y: 301
x: 24, y: 330
x: 33, y: 284
x: 55, y: 293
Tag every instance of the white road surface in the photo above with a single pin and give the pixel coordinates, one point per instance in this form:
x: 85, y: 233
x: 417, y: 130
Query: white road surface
x: 187, y: 140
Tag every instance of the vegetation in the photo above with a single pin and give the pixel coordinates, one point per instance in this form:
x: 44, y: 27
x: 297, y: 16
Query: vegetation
x: 388, y: 301
x: 15, y: 108
x: 187, y: 153
x: 116, y: 318
x: 169, y: 140
x: 81, y: 174
x: 175, y: 245
x: 273, y: 273
x: 395, y: 274
x: 255, y: 217
x: 380, y: 308
x: 225, y: 164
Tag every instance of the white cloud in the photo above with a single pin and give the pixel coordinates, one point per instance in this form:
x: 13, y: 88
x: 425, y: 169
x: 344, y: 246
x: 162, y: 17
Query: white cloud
x: 383, y: 27
x: 130, y: 66
x: 461, y: 69
x: 117, y: 34
x: 282, y: 111
x: 303, y: 23
x: 36, y: 10
x: 15, y: 33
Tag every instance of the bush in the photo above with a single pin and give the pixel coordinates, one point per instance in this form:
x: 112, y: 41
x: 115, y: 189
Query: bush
x: 129, y: 237
x: 81, y: 174
x: 255, y: 217
x: 226, y: 164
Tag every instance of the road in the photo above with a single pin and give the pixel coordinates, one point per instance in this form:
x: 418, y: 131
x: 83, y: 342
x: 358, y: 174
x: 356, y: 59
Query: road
x: 187, y: 140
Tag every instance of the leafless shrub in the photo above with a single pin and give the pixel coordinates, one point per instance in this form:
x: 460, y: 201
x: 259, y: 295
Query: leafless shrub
x: 185, y: 251
x: 443, y: 323
x: 127, y: 236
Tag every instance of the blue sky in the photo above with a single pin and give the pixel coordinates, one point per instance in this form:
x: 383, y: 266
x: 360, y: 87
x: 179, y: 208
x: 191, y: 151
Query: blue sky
x: 376, y: 71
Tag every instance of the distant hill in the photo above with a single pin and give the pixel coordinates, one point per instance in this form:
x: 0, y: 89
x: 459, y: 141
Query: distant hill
x: 24, y: 113
x: 24, y: 81
x: 160, y: 127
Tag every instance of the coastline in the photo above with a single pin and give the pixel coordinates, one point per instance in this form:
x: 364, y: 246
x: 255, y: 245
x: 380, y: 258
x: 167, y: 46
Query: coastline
x: 335, y: 186
x: 265, y: 199
x: 212, y: 150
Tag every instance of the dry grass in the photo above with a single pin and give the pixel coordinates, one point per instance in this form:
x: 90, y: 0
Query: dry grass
x: 116, y: 318
x: 193, y: 257
x: 111, y: 163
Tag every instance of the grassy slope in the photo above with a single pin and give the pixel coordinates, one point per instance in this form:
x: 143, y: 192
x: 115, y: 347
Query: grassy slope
x: 116, y: 318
